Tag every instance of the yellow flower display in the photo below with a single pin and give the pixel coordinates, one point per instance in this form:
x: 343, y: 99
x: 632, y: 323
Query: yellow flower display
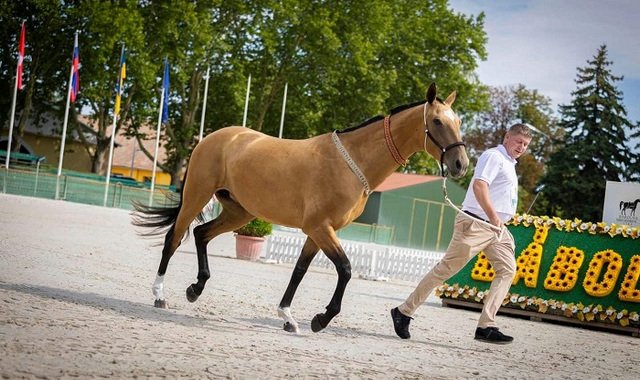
x: 482, y: 270
x: 563, y: 275
x: 629, y: 289
x: 613, y: 261
x: 576, y: 225
x: 579, y: 311
x: 528, y: 263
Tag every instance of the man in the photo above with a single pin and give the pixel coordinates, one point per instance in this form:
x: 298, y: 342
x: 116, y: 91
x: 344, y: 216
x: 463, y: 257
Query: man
x: 490, y: 201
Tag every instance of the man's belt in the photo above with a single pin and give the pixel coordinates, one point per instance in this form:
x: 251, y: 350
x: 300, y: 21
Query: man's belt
x: 475, y: 216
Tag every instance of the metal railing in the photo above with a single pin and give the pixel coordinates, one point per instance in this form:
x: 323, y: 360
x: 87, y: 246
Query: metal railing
x: 87, y: 189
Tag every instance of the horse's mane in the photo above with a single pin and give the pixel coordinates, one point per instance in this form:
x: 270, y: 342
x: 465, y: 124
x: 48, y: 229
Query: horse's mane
x: 394, y: 110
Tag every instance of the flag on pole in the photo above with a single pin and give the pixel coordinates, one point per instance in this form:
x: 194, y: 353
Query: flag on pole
x: 75, y: 77
x: 21, y: 57
x: 165, y: 90
x: 120, y: 85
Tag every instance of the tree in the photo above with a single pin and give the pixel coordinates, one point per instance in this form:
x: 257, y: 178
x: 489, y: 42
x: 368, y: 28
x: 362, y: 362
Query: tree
x: 106, y: 27
x: 49, y: 45
x: 595, y: 146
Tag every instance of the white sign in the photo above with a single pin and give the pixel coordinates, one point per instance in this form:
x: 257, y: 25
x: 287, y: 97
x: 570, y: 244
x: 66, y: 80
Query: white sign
x: 622, y: 203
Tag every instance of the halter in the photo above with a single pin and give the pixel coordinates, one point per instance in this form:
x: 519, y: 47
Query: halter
x: 444, y: 177
x: 428, y: 135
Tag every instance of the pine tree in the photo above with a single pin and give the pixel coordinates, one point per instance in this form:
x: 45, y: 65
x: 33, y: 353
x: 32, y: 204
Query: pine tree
x: 595, y: 147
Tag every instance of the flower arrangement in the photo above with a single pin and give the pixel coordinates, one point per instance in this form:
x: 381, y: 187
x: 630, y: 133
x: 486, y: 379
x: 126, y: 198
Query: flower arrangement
x: 576, y: 225
x: 528, y: 264
x: 564, y: 272
x: 628, y: 291
x: 604, y: 287
x: 570, y: 310
x: 482, y: 270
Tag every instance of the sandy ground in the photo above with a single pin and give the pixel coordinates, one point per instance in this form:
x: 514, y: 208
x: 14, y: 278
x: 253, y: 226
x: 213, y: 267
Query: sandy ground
x: 76, y: 302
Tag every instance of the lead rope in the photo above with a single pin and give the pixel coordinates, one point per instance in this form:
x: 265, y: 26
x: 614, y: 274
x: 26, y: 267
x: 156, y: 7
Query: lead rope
x: 354, y: 167
x: 498, y: 230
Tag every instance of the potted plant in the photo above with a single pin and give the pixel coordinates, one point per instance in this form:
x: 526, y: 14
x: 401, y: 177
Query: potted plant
x: 250, y: 238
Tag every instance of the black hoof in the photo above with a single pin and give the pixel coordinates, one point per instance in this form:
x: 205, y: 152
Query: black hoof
x: 191, y: 294
x: 288, y: 327
x: 161, y: 304
x: 317, y: 324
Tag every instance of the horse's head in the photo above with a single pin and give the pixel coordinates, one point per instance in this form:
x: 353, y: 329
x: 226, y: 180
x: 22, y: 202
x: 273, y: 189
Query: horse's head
x: 442, y: 137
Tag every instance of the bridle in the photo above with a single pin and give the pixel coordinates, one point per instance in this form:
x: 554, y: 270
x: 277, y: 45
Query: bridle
x: 429, y: 135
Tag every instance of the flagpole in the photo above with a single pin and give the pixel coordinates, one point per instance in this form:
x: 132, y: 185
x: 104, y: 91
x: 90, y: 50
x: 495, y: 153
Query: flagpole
x: 204, y: 104
x: 11, y: 122
x: 155, y: 155
x: 284, y: 105
x: 64, y: 125
x: 113, y: 132
x: 246, y: 102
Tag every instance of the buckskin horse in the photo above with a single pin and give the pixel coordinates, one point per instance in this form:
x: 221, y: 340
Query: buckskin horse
x: 319, y: 185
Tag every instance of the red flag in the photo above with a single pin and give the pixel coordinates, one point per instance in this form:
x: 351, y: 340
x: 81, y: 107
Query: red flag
x: 75, y: 77
x: 21, y: 57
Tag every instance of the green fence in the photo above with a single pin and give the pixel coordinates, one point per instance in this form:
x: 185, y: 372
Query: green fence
x: 371, y: 233
x: 77, y: 187
x: 89, y: 188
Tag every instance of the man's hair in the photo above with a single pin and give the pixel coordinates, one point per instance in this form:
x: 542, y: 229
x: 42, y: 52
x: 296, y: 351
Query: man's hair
x: 520, y: 129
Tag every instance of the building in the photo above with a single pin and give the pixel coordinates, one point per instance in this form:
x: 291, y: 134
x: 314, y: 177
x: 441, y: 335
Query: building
x: 413, y: 207
x: 41, y: 137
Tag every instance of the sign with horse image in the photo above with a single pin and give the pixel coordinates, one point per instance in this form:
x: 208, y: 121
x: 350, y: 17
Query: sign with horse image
x: 621, y: 203
x: 565, y: 269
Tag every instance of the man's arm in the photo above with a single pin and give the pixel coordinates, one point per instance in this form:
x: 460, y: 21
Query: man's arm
x: 481, y: 191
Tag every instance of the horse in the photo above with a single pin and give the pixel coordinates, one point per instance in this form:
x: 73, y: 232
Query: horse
x: 629, y: 205
x: 319, y: 185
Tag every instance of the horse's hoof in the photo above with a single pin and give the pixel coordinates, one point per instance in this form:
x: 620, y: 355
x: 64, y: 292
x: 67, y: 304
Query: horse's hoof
x: 316, y: 324
x: 191, y: 294
x: 290, y: 327
x: 161, y: 304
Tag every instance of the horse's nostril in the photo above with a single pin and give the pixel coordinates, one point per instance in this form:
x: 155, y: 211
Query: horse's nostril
x: 458, y: 165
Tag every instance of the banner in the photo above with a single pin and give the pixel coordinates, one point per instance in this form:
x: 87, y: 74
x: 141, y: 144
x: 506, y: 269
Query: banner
x: 569, y: 268
x: 622, y: 203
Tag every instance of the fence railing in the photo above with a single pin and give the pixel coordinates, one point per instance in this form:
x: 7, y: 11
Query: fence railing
x: 370, y: 261
x: 76, y: 188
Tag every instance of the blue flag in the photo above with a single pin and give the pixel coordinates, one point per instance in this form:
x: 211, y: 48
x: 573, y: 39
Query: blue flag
x: 165, y: 91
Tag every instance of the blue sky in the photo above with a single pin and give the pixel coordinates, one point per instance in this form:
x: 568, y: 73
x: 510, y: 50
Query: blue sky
x: 541, y: 43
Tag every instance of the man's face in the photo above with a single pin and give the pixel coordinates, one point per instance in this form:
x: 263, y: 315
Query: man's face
x: 516, y: 144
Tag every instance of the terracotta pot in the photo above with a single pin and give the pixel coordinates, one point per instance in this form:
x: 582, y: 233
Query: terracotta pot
x: 249, y: 247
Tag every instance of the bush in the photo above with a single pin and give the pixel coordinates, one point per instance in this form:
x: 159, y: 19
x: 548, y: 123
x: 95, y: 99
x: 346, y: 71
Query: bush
x: 256, y: 228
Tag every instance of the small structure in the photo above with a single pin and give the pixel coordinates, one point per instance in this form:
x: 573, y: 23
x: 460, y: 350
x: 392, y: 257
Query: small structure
x: 413, y: 205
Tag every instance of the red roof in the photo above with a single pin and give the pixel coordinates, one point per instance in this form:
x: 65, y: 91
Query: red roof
x: 400, y: 180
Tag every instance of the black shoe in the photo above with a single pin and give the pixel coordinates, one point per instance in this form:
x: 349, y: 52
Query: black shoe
x: 401, y: 323
x: 492, y: 335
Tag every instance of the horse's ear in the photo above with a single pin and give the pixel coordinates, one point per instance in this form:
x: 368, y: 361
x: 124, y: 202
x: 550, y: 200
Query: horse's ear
x: 451, y: 98
x: 431, y: 93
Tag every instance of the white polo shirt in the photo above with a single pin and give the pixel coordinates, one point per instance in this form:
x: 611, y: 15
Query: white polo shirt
x: 498, y: 169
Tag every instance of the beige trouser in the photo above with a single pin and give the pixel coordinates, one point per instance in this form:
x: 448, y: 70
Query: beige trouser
x: 469, y: 238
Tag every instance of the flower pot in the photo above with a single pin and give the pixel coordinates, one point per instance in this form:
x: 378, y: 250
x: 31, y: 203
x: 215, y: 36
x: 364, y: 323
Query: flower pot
x: 249, y: 247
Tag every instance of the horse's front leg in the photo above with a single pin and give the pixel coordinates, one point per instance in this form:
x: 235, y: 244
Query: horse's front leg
x: 330, y: 245
x: 309, y: 251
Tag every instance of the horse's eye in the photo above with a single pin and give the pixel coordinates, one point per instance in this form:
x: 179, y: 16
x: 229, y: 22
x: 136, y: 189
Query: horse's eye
x: 437, y: 122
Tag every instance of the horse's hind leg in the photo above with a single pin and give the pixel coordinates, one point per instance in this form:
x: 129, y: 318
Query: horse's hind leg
x: 309, y: 251
x: 193, y: 201
x: 232, y: 217
x: 328, y: 241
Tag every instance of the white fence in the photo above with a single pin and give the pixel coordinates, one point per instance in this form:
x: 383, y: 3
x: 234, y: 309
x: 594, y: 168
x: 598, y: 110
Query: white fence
x: 368, y: 260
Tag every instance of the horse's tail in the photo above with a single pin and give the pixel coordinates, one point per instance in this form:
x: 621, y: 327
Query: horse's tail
x: 160, y: 219
x: 621, y: 204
